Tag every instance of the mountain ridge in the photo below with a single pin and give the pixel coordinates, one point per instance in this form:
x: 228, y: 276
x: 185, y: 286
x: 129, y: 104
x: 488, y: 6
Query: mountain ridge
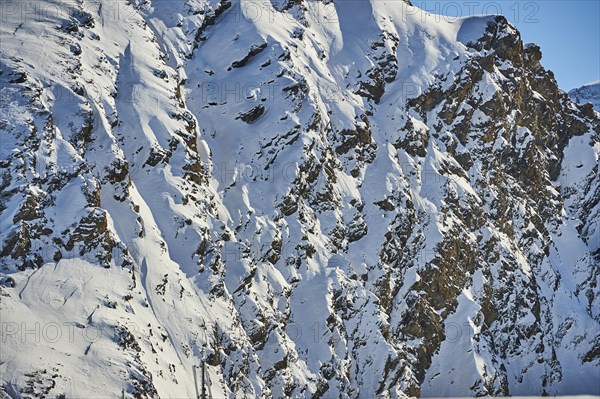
x: 325, y: 210
x: 588, y: 93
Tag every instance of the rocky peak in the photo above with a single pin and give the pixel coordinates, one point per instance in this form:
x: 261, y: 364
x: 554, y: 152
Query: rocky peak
x: 321, y: 208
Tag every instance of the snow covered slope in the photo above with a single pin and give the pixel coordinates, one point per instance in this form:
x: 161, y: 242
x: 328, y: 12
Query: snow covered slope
x: 331, y: 198
x: 589, y: 93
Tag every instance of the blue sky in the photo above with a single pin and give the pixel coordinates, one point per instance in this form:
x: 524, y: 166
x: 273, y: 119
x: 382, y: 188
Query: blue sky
x: 568, y: 32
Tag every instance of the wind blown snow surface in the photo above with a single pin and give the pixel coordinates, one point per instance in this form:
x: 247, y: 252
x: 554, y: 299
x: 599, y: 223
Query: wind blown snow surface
x: 330, y: 198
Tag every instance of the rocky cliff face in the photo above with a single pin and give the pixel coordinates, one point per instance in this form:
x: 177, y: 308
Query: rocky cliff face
x: 332, y: 199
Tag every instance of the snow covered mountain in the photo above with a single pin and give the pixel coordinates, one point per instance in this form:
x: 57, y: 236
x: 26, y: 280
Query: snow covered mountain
x: 330, y: 198
x: 589, y: 93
